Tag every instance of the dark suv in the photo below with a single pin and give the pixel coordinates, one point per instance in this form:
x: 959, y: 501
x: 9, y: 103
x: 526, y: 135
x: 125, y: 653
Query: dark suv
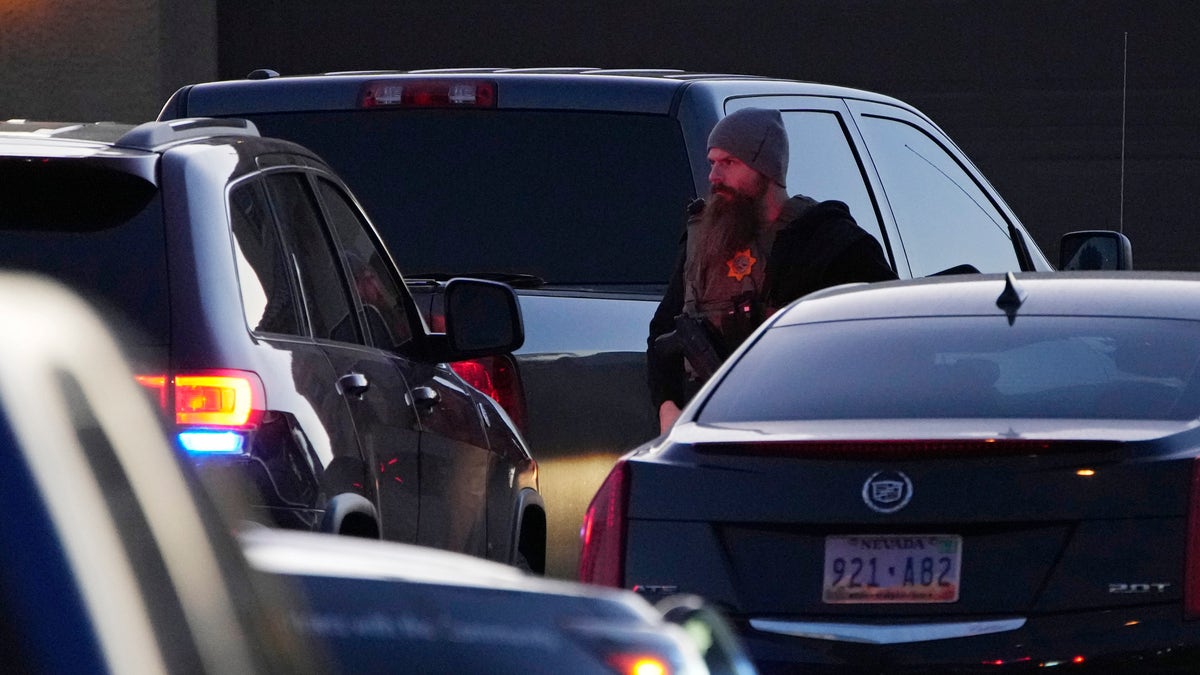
x: 572, y: 184
x: 262, y: 311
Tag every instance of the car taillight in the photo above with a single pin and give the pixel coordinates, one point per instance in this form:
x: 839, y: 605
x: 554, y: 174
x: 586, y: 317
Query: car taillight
x: 639, y: 664
x: 1191, y: 575
x: 212, y: 409
x: 428, y: 94
x: 602, y: 554
x: 498, y: 377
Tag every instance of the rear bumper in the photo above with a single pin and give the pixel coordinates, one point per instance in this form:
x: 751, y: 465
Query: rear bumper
x: 1136, y: 639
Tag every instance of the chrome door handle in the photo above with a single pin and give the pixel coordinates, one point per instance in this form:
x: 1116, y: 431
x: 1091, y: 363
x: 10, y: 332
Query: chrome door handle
x: 353, y: 384
x: 426, y: 397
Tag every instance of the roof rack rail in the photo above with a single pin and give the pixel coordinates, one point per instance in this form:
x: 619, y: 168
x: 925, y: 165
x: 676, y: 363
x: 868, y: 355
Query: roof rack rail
x: 153, y: 135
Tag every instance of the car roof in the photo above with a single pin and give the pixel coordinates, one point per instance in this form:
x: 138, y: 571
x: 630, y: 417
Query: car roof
x: 628, y: 90
x: 18, y: 136
x: 1169, y: 295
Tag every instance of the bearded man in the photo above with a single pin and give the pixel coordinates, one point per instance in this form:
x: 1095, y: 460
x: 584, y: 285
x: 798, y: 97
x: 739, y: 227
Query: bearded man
x: 750, y: 250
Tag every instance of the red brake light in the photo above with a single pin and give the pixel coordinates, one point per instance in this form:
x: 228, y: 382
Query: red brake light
x: 1191, y: 572
x: 602, y: 558
x: 498, y: 377
x: 898, y: 449
x: 211, y: 398
x: 428, y: 94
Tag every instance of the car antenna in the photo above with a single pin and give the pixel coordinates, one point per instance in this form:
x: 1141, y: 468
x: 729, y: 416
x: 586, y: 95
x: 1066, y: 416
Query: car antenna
x: 1011, y: 297
x: 1124, y: 89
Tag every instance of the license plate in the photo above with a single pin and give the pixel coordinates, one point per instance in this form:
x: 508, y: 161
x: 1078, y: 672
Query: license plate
x: 892, y: 568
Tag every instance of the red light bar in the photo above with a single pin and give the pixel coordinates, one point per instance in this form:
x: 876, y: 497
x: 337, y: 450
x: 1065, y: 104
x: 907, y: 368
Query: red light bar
x: 428, y: 94
x: 1191, y: 559
x: 892, y: 449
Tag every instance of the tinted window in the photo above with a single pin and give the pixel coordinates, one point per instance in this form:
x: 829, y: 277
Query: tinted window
x: 320, y: 278
x: 568, y: 196
x: 944, y: 218
x: 267, y: 295
x: 1099, y: 368
x: 378, y: 291
x: 99, y: 231
x: 823, y: 166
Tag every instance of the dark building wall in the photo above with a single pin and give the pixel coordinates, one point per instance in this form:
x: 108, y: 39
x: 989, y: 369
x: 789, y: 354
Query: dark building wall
x: 1031, y: 89
x: 87, y: 60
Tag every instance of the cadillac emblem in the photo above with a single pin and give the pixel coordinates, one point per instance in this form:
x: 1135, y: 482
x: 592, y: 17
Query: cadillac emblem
x: 887, y: 491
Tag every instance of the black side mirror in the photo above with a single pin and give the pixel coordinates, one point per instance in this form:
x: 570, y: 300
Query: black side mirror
x: 1095, y: 250
x: 483, y: 318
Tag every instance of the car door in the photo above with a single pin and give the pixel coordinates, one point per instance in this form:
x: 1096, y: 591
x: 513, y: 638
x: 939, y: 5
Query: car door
x: 946, y: 213
x: 454, y: 452
x: 297, y: 374
x: 367, y: 380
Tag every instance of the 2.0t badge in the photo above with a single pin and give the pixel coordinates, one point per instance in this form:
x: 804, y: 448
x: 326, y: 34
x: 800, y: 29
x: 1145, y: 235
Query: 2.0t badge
x: 887, y: 491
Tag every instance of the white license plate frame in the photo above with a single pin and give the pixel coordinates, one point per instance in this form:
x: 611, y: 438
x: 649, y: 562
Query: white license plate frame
x: 892, y: 569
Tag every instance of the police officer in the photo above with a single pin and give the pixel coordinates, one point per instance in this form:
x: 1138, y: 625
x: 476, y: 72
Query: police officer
x: 749, y: 250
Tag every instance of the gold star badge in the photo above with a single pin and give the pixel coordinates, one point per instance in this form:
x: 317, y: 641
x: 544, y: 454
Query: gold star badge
x: 740, y: 264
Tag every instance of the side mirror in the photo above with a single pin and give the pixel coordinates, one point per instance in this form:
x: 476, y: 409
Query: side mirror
x: 483, y: 318
x: 1095, y: 250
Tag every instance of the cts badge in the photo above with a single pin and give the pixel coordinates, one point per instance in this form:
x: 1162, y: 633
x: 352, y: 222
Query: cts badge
x: 887, y: 491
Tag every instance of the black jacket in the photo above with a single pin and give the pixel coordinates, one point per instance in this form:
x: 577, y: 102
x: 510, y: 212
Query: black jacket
x: 823, y: 247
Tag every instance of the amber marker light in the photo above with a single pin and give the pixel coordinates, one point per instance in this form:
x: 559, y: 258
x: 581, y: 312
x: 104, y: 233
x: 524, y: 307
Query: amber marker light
x: 1085, y: 472
x: 628, y: 664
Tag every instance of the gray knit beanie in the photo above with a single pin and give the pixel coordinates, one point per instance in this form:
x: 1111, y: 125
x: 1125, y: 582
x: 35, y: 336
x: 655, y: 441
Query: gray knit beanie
x: 755, y: 136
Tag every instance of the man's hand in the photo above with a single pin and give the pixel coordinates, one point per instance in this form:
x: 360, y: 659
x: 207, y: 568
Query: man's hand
x: 668, y: 412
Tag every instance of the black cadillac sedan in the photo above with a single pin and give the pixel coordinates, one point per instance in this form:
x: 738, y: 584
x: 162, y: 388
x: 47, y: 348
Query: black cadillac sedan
x: 984, y: 473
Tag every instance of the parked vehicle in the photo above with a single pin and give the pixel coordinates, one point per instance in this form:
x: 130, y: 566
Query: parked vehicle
x: 373, y: 605
x: 114, y: 560
x: 991, y: 470
x: 111, y: 561
x: 262, y: 311
x: 571, y: 184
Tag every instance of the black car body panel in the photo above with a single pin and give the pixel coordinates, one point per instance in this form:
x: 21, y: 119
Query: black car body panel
x: 1040, y: 510
x: 229, y: 255
x: 579, y: 178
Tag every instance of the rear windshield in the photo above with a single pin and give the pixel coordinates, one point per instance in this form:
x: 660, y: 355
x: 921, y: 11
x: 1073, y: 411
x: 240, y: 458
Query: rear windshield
x: 571, y: 197
x: 97, y: 230
x: 966, y: 367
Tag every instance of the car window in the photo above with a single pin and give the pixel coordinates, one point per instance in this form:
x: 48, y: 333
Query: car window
x: 945, y: 219
x: 968, y: 367
x: 321, y: 282
x: 823, y: 166
x: 97, y: 230
x: 571, y: 197
x: 379, y: 293
x: 267, y: 296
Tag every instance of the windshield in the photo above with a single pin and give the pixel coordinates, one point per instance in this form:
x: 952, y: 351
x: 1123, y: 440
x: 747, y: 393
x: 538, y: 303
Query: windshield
x: 575, y: 198
x: 98, y: 231
x: 966, y: 367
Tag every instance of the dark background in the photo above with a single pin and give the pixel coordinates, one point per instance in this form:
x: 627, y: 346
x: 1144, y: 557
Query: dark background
x: 1044, y: 96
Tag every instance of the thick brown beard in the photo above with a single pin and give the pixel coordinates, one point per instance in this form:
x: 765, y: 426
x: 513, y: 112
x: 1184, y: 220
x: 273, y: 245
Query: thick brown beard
x: 728, y: 224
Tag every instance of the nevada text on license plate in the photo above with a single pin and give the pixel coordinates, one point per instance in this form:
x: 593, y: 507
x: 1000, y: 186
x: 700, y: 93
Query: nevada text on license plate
x: 892, y: 568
